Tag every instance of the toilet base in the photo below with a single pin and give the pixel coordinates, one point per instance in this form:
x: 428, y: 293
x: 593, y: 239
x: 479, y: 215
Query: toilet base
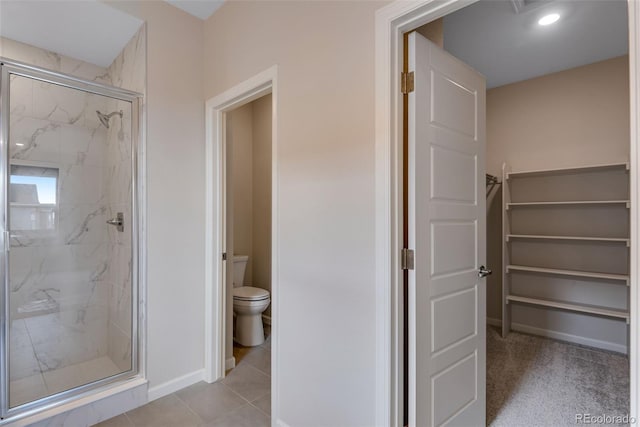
x: 249, y: 330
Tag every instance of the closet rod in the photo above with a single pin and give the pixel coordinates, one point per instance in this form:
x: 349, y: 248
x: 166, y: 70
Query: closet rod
x: 492, y: 183
x: 491, y: 179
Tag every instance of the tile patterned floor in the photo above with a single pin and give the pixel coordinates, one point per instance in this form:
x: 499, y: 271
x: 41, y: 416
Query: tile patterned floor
x: 528, y: 378
x: 242, y: 399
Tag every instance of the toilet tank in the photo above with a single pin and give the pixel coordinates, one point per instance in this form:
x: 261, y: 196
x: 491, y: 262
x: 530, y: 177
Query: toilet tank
x: 239, y: 266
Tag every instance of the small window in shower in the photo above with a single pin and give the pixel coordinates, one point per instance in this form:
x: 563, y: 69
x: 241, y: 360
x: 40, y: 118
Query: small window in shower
x: 33, y: 197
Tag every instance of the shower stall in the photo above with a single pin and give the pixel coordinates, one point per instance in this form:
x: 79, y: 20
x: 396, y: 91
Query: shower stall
x: 69, y: 232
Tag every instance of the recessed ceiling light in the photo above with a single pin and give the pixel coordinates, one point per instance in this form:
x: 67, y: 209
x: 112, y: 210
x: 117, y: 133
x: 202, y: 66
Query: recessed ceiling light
x: 549, y: 19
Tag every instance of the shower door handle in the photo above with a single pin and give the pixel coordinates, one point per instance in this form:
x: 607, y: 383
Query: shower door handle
x: 118, y: 221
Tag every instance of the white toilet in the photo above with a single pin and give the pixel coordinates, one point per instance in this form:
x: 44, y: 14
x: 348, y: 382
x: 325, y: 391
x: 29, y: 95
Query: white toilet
x: 248, y: 305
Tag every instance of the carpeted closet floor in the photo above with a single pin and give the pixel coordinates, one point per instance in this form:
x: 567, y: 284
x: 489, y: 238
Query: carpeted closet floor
x: 534, y: 381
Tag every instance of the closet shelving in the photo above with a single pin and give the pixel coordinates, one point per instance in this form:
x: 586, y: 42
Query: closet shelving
x: 567, y: 171
x: 581, y: 308
x: 570, y: 202
x: 573, y: 273
x: 571, y: 192
x: 576, y: 238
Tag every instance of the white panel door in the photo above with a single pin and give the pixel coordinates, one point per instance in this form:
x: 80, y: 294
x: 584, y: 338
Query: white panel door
x: 447, y: 350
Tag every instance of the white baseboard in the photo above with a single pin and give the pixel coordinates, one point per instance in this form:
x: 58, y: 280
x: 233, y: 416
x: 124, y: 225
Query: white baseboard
x: 266, y: 319
x: 562, y: 336
x: 281, y: 423
x: 230, y: 363
x: 175, y: 384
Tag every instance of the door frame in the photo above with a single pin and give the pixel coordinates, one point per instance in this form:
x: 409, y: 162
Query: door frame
x: 391, y: 22
x: 216, y: 110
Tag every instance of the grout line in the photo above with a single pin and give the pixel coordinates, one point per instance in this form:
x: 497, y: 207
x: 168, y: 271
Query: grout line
x: 244, y: 398
x: 188, y: 407
x: 223, y: 415
x: 246, y: 402
x: 260, y: 410
x: 262, y: 373
x: 256, y: 367
x: 216, y: 419
x: 236, y: 393
x: 250, y: 401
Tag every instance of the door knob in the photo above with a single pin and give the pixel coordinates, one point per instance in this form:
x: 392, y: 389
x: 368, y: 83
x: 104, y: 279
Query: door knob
x: 483, y: 272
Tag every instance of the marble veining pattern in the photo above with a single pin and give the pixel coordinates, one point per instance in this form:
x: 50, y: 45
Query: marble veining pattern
x: 52, y: 61
x: 127, y: 70
x: 71, y: 288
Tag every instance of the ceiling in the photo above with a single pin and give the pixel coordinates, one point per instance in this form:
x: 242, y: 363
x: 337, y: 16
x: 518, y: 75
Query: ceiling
x: 89, y: 30
x: 507, y: 46
x: 202, y: 9
x: 504, y: 45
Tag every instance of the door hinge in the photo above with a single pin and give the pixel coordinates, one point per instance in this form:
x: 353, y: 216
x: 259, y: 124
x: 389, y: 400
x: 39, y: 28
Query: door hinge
x: 407, y: 83
x: 406, y: 259
x: 224, y: 256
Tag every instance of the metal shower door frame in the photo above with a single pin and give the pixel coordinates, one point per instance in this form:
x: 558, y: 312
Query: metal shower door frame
x: 10, y: 67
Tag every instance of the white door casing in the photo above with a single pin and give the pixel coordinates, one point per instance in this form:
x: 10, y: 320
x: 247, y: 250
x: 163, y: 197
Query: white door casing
x: 392, y: 21
x: 446, y: 220
x: 215, y: 293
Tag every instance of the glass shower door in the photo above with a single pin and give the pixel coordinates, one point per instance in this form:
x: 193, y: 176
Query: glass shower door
x: 69, y: 265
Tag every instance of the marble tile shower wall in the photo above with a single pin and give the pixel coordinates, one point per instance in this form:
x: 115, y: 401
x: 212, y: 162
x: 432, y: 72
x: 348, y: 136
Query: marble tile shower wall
x: 57, y: 275
x: 127, y: 71
x: 71, y: 288
x: 118, y: 187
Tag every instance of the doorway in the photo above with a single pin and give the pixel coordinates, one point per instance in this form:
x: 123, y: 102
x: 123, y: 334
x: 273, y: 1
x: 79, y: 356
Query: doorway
x: 241, y: 290
x: 394, y: 21
x: 248, y: 231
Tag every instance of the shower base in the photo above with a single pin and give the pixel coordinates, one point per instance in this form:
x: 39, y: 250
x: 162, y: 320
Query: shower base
x: 48, y: 356
x: 50, y: 382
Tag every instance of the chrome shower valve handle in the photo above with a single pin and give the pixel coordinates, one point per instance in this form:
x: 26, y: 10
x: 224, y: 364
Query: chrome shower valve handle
x: 118, y: 221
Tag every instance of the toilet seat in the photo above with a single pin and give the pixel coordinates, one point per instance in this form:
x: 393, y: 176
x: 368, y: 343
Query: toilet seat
x: 249, y: 293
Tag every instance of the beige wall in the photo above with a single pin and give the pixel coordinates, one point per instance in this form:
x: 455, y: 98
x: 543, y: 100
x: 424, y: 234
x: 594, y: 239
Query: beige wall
x: 249, y: 131
x: 571, y: 118
x: 261, y: 266
x: 325, y: 57
x: 230, y: 240
x: 434, y: 31
x: 175, y: 190
x: 240, y: 135
x: 574, y: 117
